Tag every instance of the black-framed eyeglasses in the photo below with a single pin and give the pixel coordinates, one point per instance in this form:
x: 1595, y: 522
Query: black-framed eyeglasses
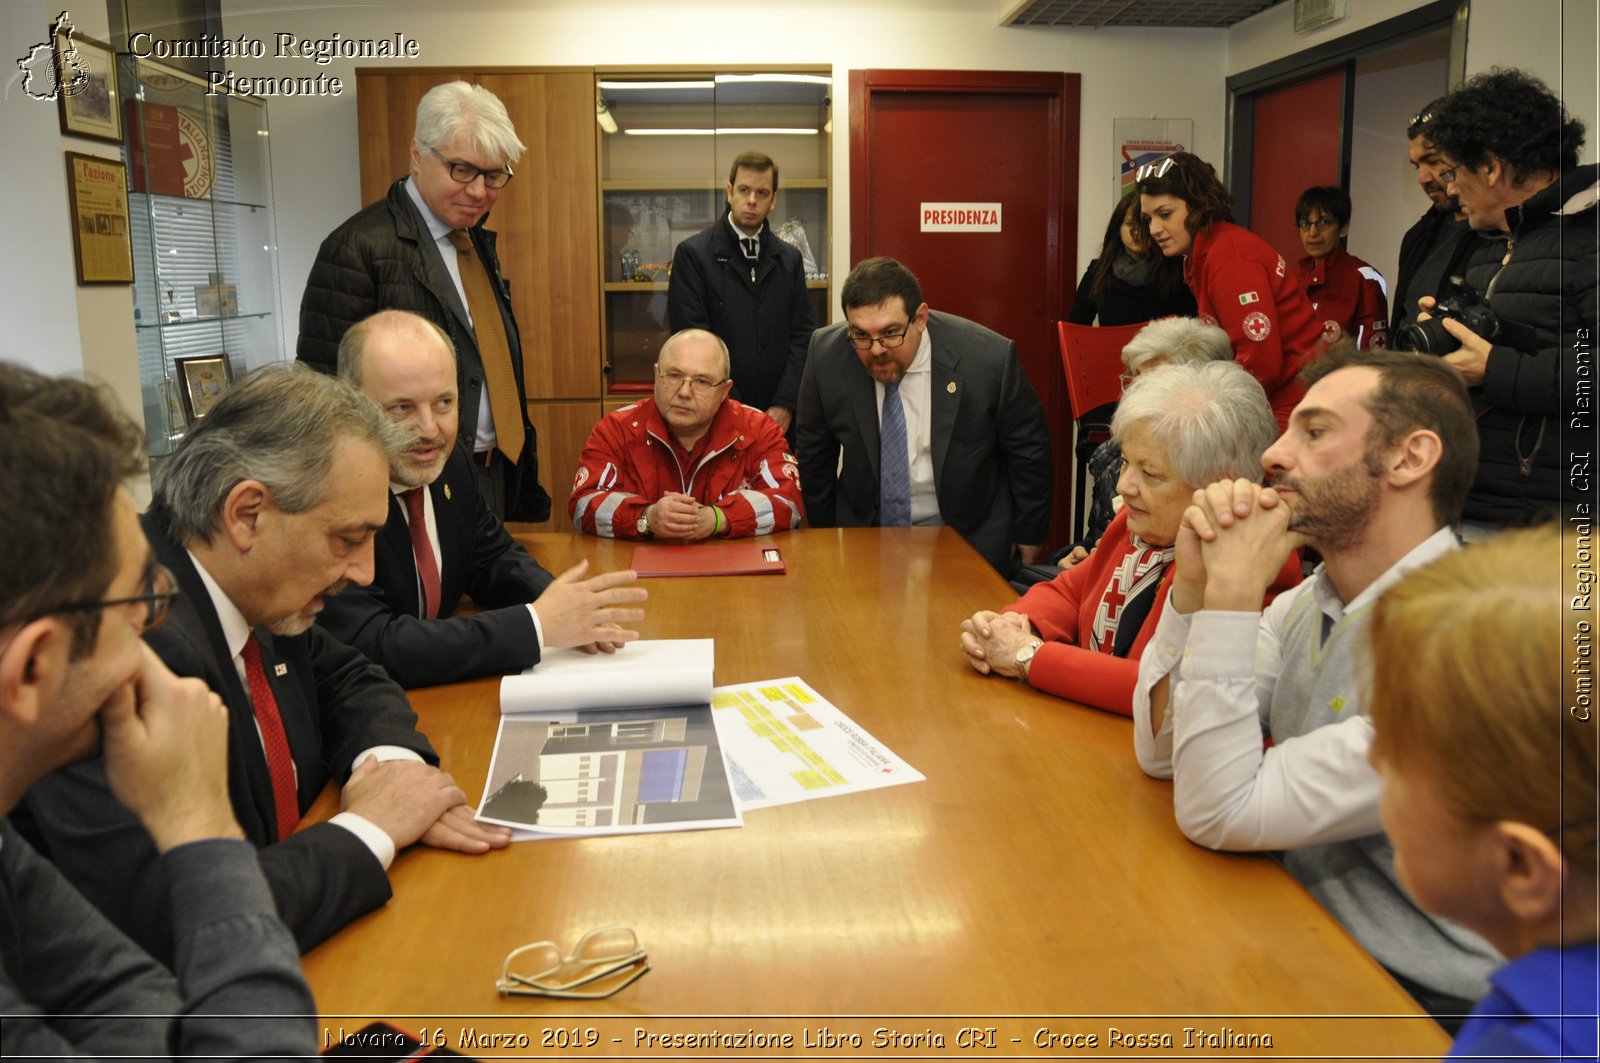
x: 1323, y: 223
x: 1444, y: 177
x: 464, y: 173
x: 699, y: 385
x: 160, y: 591
x: 888, y: 341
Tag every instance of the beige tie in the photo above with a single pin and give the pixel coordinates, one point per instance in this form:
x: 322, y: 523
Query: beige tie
x: 492, y: 346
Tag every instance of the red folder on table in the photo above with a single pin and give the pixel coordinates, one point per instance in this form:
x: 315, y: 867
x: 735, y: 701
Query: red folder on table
x: 707, y: 559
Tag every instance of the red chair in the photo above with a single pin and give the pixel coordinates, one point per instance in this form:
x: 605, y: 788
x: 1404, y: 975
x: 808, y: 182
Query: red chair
x: 1092, y: 358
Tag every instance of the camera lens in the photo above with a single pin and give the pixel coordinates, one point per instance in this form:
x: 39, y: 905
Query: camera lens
x: 1425, y: 337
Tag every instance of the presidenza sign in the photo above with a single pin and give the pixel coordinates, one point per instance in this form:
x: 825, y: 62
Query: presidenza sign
x: 960, y: 217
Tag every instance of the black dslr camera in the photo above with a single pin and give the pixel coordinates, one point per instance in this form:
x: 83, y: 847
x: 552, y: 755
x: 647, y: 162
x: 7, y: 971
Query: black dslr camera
x: 1465, y: 305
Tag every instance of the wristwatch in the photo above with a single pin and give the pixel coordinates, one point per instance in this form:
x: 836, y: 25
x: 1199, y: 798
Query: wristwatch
x: 643, y: 524
x: 1025, y: 656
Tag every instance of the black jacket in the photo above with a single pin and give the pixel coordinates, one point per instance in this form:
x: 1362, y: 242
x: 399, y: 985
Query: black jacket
x: 383, y: 258
x: 1121, y: 303
x: 766, y: 322
x: 1412, y: 281
x: 477, y: 557
x: 1546, y: 301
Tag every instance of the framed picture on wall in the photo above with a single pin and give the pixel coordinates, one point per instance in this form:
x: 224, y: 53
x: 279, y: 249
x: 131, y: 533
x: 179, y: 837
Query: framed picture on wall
x: 202, y: 380
x: 86, y: 72
x: 98, y: 191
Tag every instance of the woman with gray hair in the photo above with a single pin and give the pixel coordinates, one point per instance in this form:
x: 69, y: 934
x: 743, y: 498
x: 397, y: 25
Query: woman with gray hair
x: 1080, y: 635
x: 1170, y: 341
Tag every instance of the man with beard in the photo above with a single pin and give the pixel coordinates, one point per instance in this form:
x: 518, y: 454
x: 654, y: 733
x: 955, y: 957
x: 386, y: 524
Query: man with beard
x: 442, y: 541
x: 266, y: 509
x: 1256, y: 715
x: 1428, y: 248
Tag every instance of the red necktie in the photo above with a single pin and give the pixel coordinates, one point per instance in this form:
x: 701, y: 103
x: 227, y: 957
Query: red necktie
x: 280, y: 763
x: 427, y: 564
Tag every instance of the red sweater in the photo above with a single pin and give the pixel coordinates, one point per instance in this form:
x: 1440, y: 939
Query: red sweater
x: 1242, y: 285
x: 1062, y: 612
x: 1348, y: 296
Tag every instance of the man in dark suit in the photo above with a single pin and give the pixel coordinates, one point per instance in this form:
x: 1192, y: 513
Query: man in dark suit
x: 744, y: 284
x: 963, y: 439
x: 76, y: 681
x: 267, y: 508
x: 424, y: 248
x: 441, y: 541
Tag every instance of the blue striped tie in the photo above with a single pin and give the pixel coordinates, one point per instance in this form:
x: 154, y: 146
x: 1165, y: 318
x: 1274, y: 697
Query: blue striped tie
x: 894, y: 466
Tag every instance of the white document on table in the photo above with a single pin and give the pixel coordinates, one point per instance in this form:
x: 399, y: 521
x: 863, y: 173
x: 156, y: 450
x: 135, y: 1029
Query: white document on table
x: 784, y: 742
x: 643, y: 674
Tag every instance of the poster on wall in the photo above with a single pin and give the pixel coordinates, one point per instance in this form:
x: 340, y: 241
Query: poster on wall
x: 1136, y: 141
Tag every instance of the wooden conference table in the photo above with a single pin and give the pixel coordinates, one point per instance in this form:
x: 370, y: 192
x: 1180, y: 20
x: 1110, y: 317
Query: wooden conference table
x: 1035, y: 881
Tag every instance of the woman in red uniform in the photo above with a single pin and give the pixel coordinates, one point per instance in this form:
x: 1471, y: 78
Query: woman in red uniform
x: 1238, y: 280
x: 1347, y: 294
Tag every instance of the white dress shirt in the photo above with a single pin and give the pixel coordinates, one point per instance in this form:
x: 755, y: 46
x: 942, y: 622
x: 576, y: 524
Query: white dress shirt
x: 1311, y: 789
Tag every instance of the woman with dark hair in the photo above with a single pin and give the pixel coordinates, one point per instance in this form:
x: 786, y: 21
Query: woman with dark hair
x: 1238, y: 280
x: 1347, y: 294
x: 1130, y: 282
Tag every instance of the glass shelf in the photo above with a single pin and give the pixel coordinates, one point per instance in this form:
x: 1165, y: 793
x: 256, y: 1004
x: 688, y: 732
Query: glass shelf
x: 204, y: 240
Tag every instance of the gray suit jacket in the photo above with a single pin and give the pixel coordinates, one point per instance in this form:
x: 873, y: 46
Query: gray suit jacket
x: 991, y: 446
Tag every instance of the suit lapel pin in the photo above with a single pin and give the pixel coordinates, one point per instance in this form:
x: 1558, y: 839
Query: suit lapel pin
x: 951, y: 387
x: 447, y: 492
x: 280, y: 670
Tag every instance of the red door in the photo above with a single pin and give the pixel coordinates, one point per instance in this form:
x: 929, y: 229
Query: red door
x: 1003, y: 138
x: 1298, y: 143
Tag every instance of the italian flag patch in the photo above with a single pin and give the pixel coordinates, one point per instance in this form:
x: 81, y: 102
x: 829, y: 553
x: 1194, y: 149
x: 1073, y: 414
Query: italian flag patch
x: 1249, y: 297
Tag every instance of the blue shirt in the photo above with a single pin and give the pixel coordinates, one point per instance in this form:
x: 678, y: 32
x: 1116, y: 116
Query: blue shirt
x: 1544, y: 1004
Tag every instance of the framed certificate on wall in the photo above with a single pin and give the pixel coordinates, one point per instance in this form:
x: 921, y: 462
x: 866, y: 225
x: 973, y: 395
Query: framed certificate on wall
x: 98, y: 191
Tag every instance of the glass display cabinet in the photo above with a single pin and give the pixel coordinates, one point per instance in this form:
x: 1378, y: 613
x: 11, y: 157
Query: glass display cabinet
x: 204, y: 245
x: 666, y: 142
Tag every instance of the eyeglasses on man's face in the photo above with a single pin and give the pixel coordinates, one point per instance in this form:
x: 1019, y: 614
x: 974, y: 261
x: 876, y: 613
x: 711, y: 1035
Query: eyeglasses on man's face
x: 892, y: 337
x: 701, y: 386
x: 1322, y: 224
x: 464, y: 173
x: 160, y: 591
x: 1444, y: 177
x: 604, y: 962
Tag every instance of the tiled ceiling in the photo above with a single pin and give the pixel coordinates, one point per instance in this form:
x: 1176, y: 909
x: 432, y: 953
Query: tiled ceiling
x: 1093, y: 13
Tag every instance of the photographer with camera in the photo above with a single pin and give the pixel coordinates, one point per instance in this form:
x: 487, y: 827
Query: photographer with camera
x: 1510, y: 153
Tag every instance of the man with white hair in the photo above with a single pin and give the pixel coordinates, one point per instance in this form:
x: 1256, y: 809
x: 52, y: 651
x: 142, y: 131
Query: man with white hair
x: 424, y: 248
